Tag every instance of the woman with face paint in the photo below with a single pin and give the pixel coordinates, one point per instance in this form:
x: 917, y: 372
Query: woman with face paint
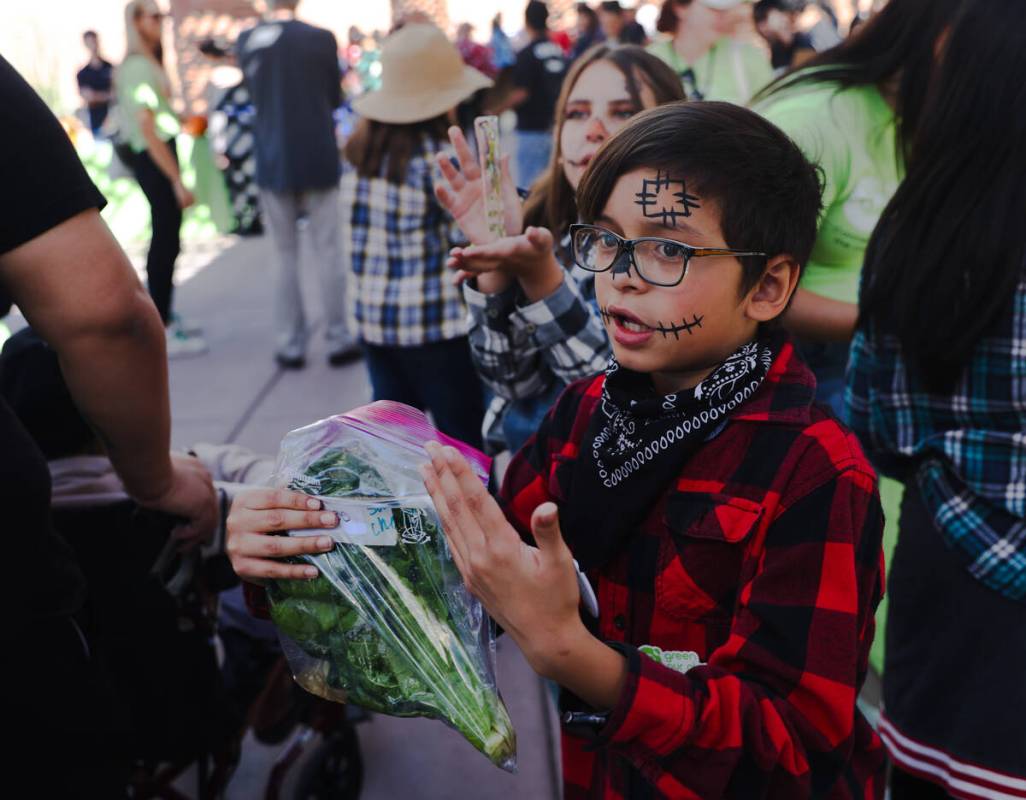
x: 534, y: 325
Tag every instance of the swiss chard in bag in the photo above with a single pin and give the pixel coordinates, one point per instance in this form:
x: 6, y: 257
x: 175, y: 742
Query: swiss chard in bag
x: 388, y: 623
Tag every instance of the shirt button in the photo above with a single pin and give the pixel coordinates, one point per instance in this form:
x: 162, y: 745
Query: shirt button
x: 493, y: 313
x: 619, y: 622
x: 531, y: 327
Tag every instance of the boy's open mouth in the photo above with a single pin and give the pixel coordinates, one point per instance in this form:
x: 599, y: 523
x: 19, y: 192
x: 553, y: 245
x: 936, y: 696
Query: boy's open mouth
x: 625, y: 320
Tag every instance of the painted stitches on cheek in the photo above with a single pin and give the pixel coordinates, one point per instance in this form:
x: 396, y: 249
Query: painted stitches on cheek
x: 659, y: 200
x: 687, y: 327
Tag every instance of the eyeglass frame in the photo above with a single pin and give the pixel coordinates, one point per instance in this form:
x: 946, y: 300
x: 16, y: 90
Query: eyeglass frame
x: 627, y: 245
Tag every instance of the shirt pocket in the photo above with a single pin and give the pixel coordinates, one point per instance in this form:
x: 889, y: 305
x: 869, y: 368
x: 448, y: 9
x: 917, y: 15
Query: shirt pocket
x: 561, y: 470
x: 702, y: 555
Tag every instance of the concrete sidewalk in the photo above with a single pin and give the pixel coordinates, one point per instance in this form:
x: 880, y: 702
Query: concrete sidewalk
x: 236, y: 393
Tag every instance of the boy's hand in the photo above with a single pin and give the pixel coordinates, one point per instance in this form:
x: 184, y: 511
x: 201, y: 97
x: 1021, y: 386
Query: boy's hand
x: 258, y: 512
x: 527, y: 257
x: 463, y: 192
x: 530, y: 591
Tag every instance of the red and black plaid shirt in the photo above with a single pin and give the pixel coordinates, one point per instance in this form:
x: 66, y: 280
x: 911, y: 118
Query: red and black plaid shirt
x: 763, y: 558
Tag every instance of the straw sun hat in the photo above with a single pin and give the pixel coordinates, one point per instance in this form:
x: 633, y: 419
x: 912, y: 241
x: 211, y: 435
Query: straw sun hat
x: 422, y: 76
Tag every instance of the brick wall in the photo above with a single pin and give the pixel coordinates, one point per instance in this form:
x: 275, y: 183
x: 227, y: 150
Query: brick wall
x: 194, y: 21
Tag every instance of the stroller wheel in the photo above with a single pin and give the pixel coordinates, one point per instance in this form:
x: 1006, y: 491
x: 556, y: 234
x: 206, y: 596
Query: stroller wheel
x: 334, y: 770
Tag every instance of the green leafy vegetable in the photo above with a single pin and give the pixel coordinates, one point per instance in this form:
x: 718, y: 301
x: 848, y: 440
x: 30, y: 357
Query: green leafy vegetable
x: 392, y: 628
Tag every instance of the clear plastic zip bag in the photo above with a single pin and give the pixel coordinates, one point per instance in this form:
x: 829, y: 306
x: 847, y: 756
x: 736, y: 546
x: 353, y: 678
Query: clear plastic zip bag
x: 388, y: 624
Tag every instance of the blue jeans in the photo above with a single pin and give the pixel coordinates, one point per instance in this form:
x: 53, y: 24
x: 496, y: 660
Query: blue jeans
x: 533, y: 151
x: 522, y: 417
x: 437, y: 377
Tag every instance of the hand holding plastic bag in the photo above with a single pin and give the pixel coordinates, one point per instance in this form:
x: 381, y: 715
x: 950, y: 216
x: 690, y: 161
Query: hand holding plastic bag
x: 388, y: 624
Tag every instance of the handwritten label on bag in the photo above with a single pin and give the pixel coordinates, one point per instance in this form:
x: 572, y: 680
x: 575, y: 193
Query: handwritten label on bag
x: 369, y: 525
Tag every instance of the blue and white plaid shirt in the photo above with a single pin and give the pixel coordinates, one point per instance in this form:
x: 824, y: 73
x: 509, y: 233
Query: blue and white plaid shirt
x: 527, y: 351
x: 966, y: 451
x: 396, y: 238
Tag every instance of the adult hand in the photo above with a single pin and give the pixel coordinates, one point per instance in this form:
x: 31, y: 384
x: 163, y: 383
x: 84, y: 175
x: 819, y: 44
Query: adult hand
x: 191, y: 496
x: 256, y: 556
x: 462, y: 195
x: 184, y: 197
x: 531, y: 592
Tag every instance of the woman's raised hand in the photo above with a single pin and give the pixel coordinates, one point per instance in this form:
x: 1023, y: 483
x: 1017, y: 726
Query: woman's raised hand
x: 462, y: 193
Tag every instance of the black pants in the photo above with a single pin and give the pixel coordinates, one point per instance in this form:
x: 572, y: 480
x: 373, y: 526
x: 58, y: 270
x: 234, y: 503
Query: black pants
x: 166, y: 217
x: 437, y: 377
x: 906, y: 786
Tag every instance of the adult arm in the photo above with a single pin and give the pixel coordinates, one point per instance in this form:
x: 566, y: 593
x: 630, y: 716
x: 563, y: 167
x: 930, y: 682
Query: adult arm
x: 813, y: 316
x: 76, y: 287
x: 818, y: 133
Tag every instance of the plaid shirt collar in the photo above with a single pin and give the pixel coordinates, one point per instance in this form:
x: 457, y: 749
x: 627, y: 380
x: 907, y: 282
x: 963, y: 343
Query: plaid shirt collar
x: 787, y: 394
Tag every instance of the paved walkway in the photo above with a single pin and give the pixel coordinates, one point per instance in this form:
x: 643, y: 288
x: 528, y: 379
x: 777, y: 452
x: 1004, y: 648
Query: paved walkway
x: 237, y: 394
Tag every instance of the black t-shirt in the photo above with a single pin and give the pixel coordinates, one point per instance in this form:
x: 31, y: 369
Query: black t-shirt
x: 782, y: 55
x: 47, y: 185
x: 632, y: 33
x: 99, y: 79
x: 293, y: 76
x: 540, y: 69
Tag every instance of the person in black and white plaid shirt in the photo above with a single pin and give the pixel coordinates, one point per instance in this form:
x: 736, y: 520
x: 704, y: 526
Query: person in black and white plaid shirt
x: 408, y: 314
x: 534, y: 326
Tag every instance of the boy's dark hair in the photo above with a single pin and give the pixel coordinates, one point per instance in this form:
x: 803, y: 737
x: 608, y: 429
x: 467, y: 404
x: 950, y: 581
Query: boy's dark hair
x: 536, y: 15
x: 90, y: 34
x: 612, y: 6
x: 384, y: 149
x: 768, y: 193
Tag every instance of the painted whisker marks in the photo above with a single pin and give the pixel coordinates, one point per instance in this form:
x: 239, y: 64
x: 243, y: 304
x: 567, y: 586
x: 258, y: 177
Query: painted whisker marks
x: 696, y: 322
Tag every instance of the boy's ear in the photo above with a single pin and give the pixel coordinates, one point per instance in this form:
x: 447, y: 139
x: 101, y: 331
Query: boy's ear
x: 768, y: 299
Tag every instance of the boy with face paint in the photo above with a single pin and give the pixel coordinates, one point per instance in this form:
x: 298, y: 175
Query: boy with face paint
x: 730, y: 528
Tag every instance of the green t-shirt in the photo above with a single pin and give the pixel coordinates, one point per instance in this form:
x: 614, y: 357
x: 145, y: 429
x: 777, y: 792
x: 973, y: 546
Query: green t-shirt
x: 850, y: 133
x: 140, y: 84
x: 731, y: 70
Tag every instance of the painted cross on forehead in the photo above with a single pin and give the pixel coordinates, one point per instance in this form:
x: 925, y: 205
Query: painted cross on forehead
x: 665, y: 199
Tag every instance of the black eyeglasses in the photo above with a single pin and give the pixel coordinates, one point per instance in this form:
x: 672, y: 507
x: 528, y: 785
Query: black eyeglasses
x: 661, y: 262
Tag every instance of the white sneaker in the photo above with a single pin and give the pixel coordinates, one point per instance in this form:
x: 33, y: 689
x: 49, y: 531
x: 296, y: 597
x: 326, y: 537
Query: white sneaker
x: 185, y: 325
x: 182, y: 345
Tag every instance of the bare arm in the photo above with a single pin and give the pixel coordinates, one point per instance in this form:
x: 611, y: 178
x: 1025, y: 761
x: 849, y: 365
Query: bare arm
x: 76, y: 287
x: 813, y: 316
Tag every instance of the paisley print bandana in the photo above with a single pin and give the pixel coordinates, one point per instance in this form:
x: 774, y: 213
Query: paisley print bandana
x: 637, y: 443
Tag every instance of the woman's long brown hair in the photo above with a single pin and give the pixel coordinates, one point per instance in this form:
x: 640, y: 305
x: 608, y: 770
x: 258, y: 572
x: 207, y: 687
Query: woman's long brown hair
x: 381, y: 145
x: 551, y: 202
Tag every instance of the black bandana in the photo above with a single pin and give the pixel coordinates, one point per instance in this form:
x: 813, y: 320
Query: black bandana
x: 637, y: 442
